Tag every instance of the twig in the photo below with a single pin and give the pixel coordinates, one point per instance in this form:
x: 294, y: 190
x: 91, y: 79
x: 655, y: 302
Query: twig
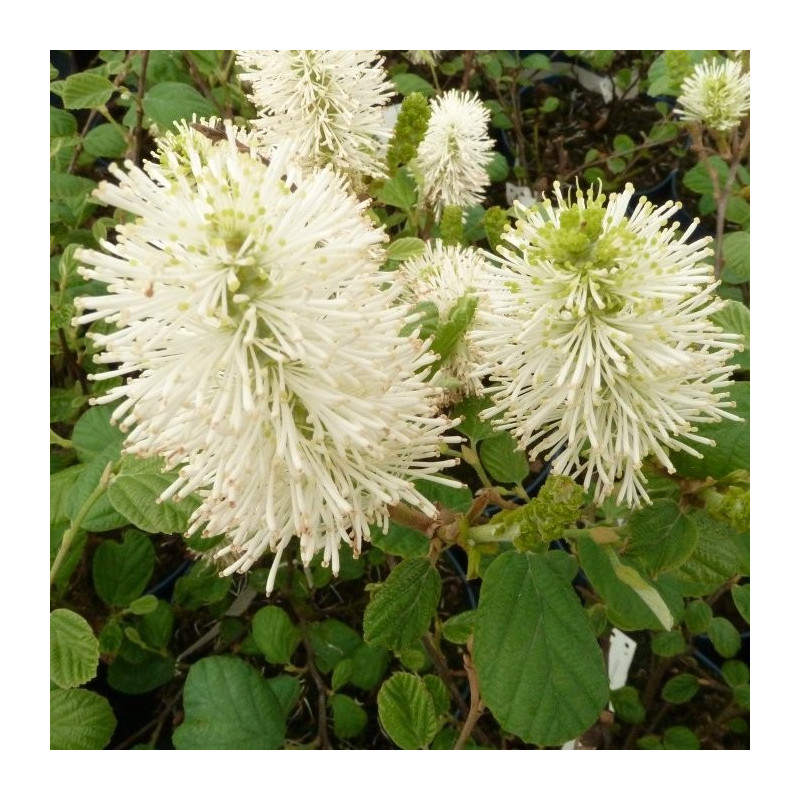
x: 469, y: 58
x: 475, y: 703
x: 443, y: 672
x: 70, y: 533
x: 322, y: 689
x: 136, y: 145
x: 157, y: 723
x: 240, y: 604
x: 721, y: 194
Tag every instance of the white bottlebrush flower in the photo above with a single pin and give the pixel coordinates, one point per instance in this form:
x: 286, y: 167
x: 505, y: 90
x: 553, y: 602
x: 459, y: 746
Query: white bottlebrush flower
x: 423, y: 57
x: 263, y: 355
x: 600, y: 344
x: 325, y: 104
x: 716, y: 94
x: 445, y: 275
x: 455, y: 152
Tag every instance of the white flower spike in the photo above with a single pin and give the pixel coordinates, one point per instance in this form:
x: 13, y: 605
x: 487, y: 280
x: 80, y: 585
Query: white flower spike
x: 262, y: 354
x: 600, y: 345
x: 716, y: 94
x: 325, y: 105
x: 455, y: 152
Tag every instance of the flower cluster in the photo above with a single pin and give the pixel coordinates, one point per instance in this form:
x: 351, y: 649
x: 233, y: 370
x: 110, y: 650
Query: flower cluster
x: 600, y: 344
x: 446, y: 276
x: 262, y: 352
x: 455, y: 152
x: 716, y: 94
x: 423, y: 57
x: 325, y: 105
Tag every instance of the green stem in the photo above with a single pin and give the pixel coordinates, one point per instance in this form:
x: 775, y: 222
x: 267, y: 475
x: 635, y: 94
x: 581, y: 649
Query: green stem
x: 470, y: 455
x: 71, y: 532
x: 60, y: 441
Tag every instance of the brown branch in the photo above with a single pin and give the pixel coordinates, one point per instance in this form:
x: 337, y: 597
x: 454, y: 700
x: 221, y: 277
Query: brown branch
x: 476, y: 706
x: 469, y: 59
x: 721, y: 194
x: 138, y: 131
x: 322, y: 689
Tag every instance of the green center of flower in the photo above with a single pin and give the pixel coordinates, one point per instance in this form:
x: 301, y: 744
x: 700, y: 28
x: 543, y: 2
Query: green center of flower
x: 588, y: 256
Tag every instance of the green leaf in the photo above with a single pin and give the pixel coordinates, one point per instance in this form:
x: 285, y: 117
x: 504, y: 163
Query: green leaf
x: 441, y: 697
x: 680, y: 689
x: 342, y: 673
x: 668, y: 643
x: 736, y: 252
x: 540, y: 668
x: 400, y: 611
x: 741, y: 695
x: 624, y: 606
x: 407, y: 711
x: 550, y: 104
x: 400, y: 191
x: 497, y: 168
x: 155, y: 628
x: 229, y: 706
x: 735, y: 318
x: 94, y: 434
x: 404, y: 248
x: 698, y: 616
x: 741, y: 599
x: 349, y: 719
x: 724, y: 636
x: 735, y: 673
x: 732, y: 450
x: 86, y: 90
x: 62, y: 123
x: 660, y: 537
x: 332, y: 641
x: 74, y: 649
x: 644, y: 590
x: 459, y: 628
x: 451, y: 331
x: 627, y: 705
x: 111, y: 637
x: 698, y: 180
x: 275, y: 634
x: 105, y: 141
x: 537, y: 61
x: 101, y: 515
x: 136, y: 495
x: 503, y: 460
x: 737, y: 210
x: 716, y: 559
x: 401, y: 541
x: 121, y: 570
x: 80, y: 720
x: 142, y: 606
x: 369, y: 666
x: 61, y: 485
x: 408, y: 82
x: 649, y: 742
x: 680, y: 738
x: 72, y: 189
x: 169, y: 102
x: 148, y: 672
x: 471, y: 424
x: 623, y: 143
x: 201, y: 586
x: 288, y: 691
